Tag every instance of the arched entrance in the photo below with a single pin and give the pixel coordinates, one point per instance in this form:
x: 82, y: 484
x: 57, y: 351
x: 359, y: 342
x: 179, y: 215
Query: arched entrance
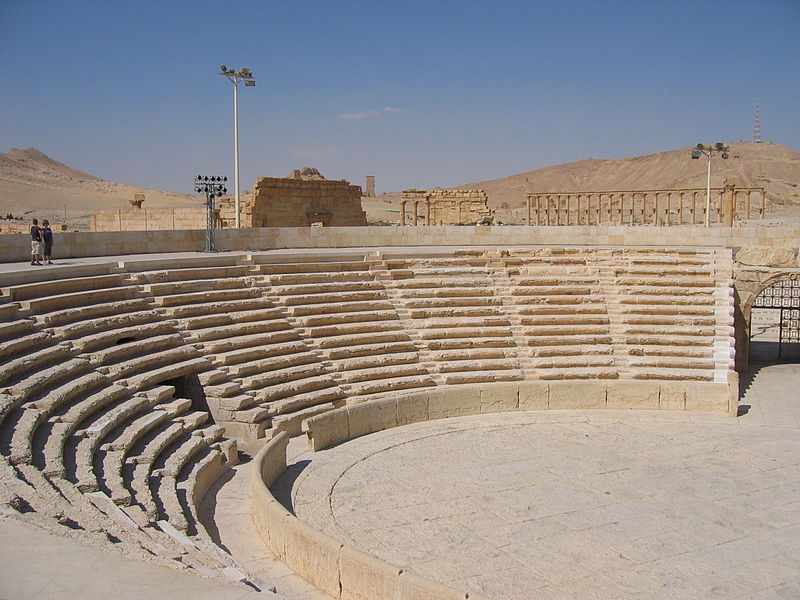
x: 775, y: 322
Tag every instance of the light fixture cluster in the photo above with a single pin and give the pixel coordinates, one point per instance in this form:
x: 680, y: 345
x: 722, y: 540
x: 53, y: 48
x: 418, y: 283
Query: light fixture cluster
x: 243, y: 74
x: 701, y: 149
x: 211, y: 186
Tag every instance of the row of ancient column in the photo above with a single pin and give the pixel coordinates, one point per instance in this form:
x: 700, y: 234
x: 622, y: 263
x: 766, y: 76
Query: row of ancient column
x: 653, y: 207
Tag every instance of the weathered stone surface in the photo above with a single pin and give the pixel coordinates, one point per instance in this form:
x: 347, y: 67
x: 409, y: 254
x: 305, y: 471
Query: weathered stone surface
x: 534, y: 395
x: 501, y: 397
x: 707, y: 397
x: 364, y: 577
x: 633, y: 395
x: 571, y: 395
x: 454, y: 402
x: 766, y: 256
x: 672, y: 395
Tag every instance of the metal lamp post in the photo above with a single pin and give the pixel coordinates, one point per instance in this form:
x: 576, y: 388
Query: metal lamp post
x: 235, y: 77
x: 708, y: 151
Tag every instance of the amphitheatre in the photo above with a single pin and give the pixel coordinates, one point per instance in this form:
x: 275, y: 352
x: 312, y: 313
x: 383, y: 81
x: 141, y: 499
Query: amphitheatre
x: 577, y: 409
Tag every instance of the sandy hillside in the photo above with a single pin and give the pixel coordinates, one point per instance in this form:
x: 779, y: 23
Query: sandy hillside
x: 34, y: 185
x: 773, y: 166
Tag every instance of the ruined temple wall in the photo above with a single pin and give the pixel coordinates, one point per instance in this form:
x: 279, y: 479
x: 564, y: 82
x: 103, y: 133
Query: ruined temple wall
x: 149, y: 219
x: 288, y: 202
x: 448, y: 207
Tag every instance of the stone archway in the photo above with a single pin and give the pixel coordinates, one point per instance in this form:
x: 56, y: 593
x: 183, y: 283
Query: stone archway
x: 749, y: 285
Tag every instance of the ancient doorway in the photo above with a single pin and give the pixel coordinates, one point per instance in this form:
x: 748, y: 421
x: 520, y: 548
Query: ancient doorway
x: 775, y: 322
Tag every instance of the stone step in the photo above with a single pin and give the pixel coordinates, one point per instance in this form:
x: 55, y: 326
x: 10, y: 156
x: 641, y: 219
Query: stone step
x: 257, y: 352
x: 124, y: 332
x: 268, y: 379
x: 272, y: 363
x: 368, y: 349
x: 80, y: 320
x: 349, y: 317
x: 339, y: 305
x: 186, y: 311
x: 307, y: 300
x: 60, y: 302
x: 207, y: 297
x: 53, y: 287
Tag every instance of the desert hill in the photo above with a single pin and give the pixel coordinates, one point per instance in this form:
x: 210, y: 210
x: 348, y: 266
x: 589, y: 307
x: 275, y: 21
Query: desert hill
x: 773, y: 166
x: 33, y: 184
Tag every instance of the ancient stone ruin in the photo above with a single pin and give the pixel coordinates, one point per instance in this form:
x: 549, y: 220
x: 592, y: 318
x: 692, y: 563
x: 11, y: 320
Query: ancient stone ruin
x: 445, y: 207
x: 304, y: 199
x: 646, y: 207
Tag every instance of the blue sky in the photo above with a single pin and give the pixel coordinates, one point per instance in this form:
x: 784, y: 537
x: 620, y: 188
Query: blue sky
x: 419, y: 94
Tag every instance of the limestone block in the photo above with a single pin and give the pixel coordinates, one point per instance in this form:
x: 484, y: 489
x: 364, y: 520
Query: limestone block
x: 273, y: 455
x: 414, y: 587
x: 412, y: 408
x: 733, y: 393
x: 534, y: 395
x: 576, y: 395
x: 707, y: 396
x: 766, y: 256
x: 672, y: 396
x: 456, y: 401
x: 503, y: 397
x: 313, y: 555
x: 366, y: 578
x: 327, y: 429
x: 368, y: 417
x: 638, y: 395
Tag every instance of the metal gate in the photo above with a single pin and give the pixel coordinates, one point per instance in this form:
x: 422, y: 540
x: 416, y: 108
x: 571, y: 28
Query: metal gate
x: 784, y: 295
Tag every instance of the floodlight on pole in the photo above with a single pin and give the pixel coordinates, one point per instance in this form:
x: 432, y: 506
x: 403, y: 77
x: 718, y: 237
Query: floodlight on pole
x: 212, y: 187
x: 235, y: 77
x: 708, y: 151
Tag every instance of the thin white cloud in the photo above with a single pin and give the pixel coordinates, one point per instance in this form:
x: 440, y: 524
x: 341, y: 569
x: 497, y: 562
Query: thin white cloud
x: 367, y: 114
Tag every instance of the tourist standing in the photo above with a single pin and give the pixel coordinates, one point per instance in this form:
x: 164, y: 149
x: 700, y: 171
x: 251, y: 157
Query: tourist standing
x: 47, y: 239
x: 36, y: 244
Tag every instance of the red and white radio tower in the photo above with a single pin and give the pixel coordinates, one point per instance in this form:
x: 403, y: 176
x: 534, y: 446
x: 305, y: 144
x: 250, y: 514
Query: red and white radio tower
x: 757, y: 125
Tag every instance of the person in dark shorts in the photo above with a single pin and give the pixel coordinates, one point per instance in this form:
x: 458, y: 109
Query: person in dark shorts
x: 37, y: 248
x: 47, y: 240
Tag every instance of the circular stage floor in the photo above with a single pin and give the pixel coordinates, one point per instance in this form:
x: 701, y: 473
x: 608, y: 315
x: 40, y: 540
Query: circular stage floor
x: 568, y: 504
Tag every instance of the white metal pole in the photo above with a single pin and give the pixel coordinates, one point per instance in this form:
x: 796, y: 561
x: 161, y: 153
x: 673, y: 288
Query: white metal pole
x: 236, y: 150
x: 708, y: 192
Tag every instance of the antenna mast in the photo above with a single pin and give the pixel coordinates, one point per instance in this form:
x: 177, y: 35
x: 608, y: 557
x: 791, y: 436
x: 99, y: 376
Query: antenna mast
x: 757, y: 124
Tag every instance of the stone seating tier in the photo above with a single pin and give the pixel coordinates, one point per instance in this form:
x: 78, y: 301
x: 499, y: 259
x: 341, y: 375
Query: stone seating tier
x: 87, y: 388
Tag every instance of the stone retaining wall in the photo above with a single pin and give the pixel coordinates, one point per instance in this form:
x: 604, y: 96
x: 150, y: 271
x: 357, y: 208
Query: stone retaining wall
x: 338, y: 570
x: 759, y: 240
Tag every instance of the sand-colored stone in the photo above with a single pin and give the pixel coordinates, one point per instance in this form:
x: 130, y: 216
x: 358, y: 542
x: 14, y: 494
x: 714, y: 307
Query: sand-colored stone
x: 500, y: 397
x: 636, y: 395
x: 572, y: 395
x: 707, y: 397
x: 295, y: 202
x: 364, y: 577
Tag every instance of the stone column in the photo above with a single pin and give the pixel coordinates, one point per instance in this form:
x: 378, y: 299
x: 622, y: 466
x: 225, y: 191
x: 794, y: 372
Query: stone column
x: 747, y: 205
x: 428, y: 211
x: 729, y: 202
x: 402, y: 212
x: 416, y: 208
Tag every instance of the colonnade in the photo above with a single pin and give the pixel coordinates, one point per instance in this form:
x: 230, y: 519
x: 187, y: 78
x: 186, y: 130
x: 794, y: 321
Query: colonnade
x: 646, y: 207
